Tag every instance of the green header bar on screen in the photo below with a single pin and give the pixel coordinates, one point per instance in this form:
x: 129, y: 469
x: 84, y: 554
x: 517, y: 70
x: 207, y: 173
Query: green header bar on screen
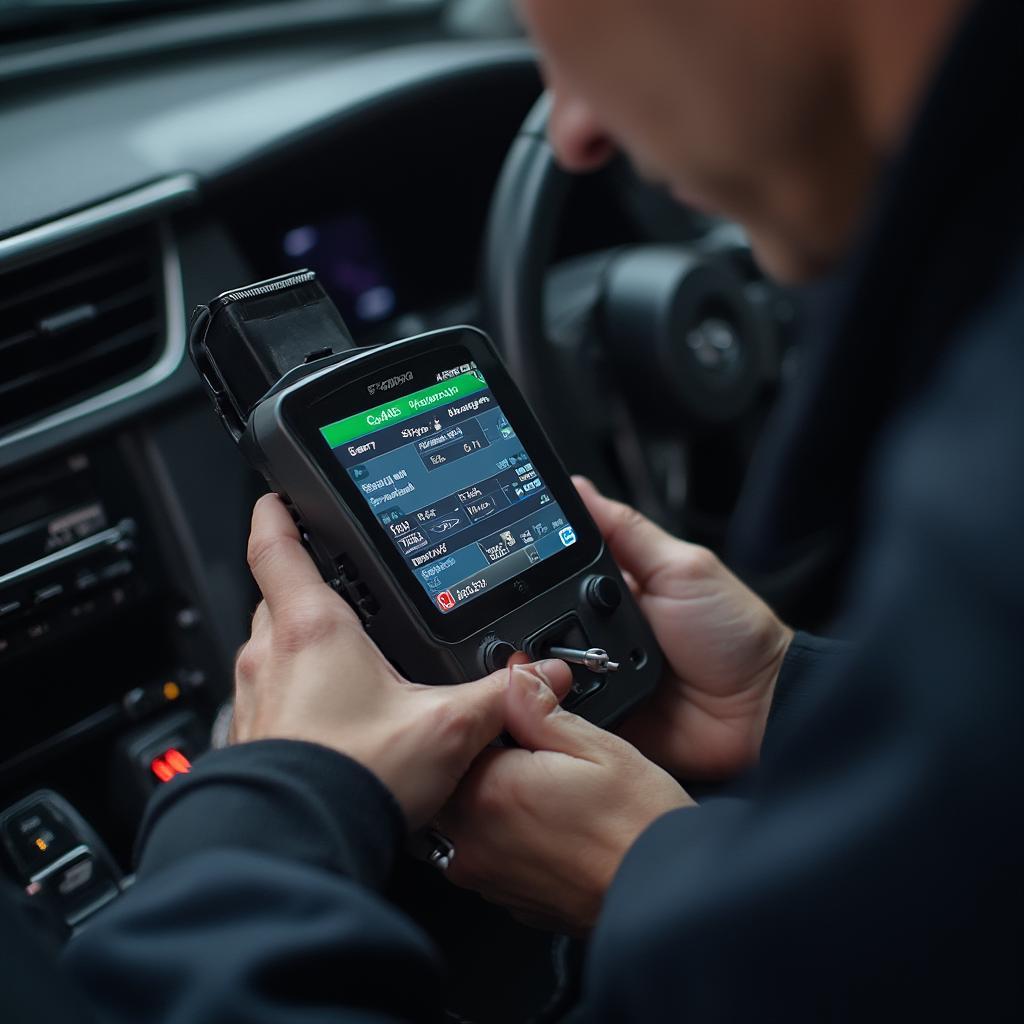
x: 348, y: 429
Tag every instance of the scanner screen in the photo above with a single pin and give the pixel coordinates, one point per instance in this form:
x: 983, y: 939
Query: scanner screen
x: 450, y: 484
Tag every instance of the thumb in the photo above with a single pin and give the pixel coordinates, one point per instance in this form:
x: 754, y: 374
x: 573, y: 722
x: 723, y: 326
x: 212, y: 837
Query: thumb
x: 639, y: 546
x: 535, y: 720
x: 479, y: 708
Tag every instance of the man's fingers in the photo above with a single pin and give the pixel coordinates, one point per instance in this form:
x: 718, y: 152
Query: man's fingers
x: 556, y: 674
x: 454, y: 820
x: 519, y: 658
x: 476, y: 711
x: 260, y: 618
x: 639, y: 546
x: 536, y: 722
x: 279, y: 563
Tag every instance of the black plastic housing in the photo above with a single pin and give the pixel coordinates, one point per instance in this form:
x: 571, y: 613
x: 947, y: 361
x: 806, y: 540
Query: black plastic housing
x: 263, y: 331
x: 550, y: 603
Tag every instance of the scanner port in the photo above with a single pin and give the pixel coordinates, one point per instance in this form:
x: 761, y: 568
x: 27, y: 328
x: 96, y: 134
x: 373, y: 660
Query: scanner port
x: 567, y: 632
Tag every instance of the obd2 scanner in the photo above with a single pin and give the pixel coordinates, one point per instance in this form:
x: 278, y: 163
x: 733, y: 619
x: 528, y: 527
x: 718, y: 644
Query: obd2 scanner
x: 427, y: 493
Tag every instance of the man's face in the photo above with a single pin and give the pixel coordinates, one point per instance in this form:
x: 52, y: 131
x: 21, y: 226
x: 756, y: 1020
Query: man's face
x: 737, y: 106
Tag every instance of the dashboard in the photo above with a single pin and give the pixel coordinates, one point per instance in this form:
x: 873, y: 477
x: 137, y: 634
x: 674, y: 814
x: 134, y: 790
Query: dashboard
x: 136, y: 188
x: 140, y: 182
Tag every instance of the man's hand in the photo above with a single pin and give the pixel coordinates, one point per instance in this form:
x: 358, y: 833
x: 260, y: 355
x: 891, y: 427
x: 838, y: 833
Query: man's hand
x: 310, y: 672
x: 542, y: 830
x: 724, y: 647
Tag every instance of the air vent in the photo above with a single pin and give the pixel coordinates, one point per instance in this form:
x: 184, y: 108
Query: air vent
x: 78, y: 323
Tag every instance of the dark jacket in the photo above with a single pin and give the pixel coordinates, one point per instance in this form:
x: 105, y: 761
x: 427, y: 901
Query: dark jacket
x: 871, y: 864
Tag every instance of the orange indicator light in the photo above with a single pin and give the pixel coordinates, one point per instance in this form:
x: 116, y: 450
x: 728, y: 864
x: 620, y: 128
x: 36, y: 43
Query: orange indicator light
x: 41, y: 843
x: 172, y: 691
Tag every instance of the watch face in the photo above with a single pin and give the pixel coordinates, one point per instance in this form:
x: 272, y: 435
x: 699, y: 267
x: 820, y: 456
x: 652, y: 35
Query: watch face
x: 455, y: 484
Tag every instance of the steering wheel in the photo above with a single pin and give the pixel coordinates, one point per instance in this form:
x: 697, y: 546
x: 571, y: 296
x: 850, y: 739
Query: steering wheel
x: 657, y: 344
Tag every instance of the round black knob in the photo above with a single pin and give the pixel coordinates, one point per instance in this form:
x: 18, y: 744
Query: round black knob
x: 495, y: 654
x: 603, y: 593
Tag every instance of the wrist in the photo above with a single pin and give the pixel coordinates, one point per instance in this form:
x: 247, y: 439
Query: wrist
x: 618, y: 841
x: 767, y: 686
x: 783, y: 643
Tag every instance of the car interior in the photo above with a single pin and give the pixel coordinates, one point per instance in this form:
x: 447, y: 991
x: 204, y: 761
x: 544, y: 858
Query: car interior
x: 158, y: 152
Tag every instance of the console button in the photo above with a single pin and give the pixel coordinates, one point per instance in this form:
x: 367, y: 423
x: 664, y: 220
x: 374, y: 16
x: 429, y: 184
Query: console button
x: 87, y: 580
x: 37, y: 838
x: 603, y: 593
x: 122, y: 567
x: 44, y: 594
x: 495, y: 654
x: 79, y: 884
x: 83, y: 609
x: 58, y: 857
x: 9, y: 608
x: 37, y: 630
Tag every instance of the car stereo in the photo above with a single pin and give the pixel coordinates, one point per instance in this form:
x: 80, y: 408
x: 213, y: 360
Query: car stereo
x: 426, y: 491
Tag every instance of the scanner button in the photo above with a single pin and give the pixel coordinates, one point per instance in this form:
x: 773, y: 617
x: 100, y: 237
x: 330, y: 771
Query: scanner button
x: 495, y: 654
x: 603, y: 594
x: 366, y: 604
x: 346, y: 570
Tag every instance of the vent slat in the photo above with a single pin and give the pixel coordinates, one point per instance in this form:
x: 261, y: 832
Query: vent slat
x: 118, y: 341
x: 77, y: 323
x: 125, y: 298
x: 17, y: 339
x: 115, y: 264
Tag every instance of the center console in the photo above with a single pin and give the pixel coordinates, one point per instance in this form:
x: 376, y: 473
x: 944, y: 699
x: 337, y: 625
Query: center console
x: 111, y: 674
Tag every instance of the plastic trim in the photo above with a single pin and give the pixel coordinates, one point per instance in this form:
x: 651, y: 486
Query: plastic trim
x: 35, y: 242
x: 114, y: 215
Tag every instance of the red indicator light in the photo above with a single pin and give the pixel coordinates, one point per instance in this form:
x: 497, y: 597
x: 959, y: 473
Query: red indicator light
x: 445, y: 601
x: 170, y: 763
x: 178, y: 761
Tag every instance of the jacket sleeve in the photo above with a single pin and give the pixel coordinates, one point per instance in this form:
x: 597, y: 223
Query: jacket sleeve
x: 807, y: 659
x: 871, y: 869
x: 256, y: 901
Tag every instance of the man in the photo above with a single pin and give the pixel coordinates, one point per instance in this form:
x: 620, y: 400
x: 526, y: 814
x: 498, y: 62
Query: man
x: 864, y: 857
